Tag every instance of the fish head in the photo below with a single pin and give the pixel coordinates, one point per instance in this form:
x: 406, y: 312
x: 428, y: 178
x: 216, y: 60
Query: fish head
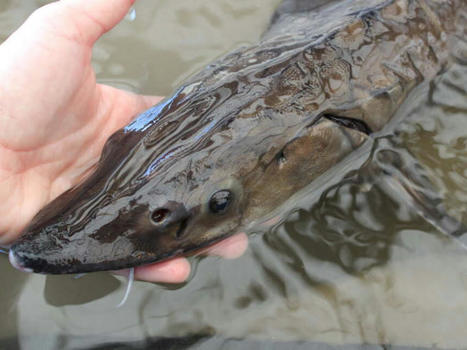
x: 145, y: 202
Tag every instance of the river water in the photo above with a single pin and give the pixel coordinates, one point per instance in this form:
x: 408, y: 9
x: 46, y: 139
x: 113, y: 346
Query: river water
x: 354, y: 263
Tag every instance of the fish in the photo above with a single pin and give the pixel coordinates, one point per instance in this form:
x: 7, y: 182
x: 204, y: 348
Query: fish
x: 249, y: 131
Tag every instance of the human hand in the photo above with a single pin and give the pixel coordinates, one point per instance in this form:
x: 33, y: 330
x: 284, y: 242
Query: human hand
x: 55, y: 118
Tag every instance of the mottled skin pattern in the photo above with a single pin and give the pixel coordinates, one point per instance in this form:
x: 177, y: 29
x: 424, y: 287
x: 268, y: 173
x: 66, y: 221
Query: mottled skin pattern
x: 262, y: 122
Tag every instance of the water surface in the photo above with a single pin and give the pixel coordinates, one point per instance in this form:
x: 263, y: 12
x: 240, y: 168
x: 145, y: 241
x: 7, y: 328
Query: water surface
x: 354, y: 263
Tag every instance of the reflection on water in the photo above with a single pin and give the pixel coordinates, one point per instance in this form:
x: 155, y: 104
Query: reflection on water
x: 354, y: 264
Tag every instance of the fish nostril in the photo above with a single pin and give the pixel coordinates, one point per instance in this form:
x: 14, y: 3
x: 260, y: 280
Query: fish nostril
x: 159, y: 215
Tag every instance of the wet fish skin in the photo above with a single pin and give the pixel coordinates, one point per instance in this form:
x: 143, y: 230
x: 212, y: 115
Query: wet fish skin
x: 260, y: 123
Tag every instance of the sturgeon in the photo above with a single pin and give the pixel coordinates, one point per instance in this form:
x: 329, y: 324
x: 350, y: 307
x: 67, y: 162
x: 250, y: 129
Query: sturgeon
x: 245, y: 134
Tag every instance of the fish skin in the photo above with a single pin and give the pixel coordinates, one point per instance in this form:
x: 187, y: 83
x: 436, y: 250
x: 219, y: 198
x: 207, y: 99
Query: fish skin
x: 254, y: 123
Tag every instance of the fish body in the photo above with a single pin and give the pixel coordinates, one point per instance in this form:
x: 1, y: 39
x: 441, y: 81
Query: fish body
x: 245, y: 134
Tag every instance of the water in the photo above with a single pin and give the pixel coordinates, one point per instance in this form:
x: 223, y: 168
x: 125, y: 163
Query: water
x: 354, y: 264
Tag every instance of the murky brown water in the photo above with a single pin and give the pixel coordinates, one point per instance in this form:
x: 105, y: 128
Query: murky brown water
x: 355, y: 264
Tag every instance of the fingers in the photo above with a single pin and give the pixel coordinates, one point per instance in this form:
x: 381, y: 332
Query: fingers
x: 172, y: 271
x: 177, y: 270
x: 96, y: 17
x: 230, y: 248
x: 83, y: 21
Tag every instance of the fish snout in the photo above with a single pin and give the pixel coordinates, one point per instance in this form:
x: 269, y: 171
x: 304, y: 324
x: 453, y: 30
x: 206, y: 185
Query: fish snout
x: 30, y: 255
x: 17, y: 263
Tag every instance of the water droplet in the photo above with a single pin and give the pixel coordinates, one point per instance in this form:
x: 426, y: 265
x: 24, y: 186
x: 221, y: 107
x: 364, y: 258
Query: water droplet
x: 131, y: 16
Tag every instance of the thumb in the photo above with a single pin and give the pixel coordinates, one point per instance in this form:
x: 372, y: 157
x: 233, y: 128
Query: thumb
x: 83, y: 21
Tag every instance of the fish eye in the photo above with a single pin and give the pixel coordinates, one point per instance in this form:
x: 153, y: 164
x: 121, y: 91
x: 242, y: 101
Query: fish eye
x: 220, y: 201
x: 159, y: 215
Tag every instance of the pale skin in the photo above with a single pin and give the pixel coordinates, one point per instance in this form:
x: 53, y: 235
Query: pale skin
x: 55, y: 118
